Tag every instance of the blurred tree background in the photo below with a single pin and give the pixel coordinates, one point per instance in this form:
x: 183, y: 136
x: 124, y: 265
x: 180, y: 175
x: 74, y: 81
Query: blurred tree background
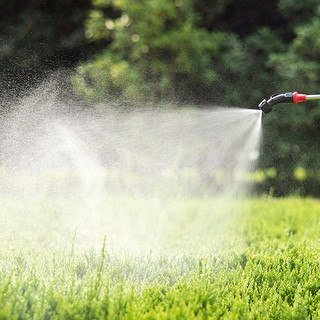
x: 38, y: 37
x: 194, y: 52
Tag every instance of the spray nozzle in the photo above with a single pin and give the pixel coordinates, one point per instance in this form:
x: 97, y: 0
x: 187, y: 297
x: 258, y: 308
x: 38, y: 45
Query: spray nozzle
x: 289, y: 97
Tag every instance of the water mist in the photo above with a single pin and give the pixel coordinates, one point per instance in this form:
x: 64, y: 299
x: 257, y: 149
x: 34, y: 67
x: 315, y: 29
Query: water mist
x: 132, y: 176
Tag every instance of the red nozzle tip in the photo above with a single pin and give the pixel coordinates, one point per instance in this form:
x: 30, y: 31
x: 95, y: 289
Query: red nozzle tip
x: 298, y: 97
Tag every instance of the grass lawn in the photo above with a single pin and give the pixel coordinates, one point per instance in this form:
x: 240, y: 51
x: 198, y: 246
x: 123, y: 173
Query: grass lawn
x: 258, y: 259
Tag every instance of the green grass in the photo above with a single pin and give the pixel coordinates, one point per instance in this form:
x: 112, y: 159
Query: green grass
x: 257, y: 260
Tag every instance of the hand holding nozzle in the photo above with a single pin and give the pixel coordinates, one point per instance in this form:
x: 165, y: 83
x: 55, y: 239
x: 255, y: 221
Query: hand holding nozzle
x: 289, y: 97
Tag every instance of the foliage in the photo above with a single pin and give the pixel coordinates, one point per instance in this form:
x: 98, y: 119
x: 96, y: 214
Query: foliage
x: 263, y: 266
x: 219, y: 52
x: 182, y: 50
x: 157, y: 51
x: 290, y: 136
x: 189, y: 51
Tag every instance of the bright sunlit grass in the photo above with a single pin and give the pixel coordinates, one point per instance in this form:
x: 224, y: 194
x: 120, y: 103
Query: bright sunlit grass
x: 261, y: 262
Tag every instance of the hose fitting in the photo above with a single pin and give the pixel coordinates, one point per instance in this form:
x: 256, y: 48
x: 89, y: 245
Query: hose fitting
x: 289, y: 97
x: 266, y: 105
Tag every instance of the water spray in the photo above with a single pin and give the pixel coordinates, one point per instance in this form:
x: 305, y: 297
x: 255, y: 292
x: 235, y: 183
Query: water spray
x: 289, y: 97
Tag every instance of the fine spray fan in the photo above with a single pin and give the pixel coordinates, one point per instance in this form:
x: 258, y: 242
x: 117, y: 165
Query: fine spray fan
x: 289, y: 97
